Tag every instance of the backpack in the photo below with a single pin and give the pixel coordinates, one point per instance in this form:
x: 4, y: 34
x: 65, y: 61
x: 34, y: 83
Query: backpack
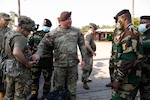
x: 62, y: 94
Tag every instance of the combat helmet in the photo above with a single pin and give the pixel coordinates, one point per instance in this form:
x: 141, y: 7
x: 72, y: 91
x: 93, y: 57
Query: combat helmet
x: 26, y: 23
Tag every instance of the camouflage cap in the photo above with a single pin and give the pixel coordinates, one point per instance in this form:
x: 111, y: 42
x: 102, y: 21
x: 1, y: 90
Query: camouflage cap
x: 145, y: 17
x: 121, y: 13
x: 5, y: 16
x: 93, y: 25
x: 27, y: 23
x: 65, y: 15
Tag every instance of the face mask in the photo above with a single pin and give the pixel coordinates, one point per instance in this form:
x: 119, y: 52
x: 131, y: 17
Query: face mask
x: 46, y: 29
x: 142, y: 28
x: 118, y: 25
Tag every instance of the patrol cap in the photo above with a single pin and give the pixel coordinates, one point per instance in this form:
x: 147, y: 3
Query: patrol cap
x: 5, y: 16
x: 65, y: 15
x: 27, y: 23
x: 93, y: 25
x: 145, y: 17
x: 121, y: 12
x: 47, y: 22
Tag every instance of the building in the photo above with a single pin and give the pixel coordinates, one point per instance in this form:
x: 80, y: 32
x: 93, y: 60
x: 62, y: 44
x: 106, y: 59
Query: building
x: 103, y: 34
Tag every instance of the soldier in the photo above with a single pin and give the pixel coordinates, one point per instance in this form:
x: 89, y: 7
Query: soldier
x: 127, y: 71
x: 144, y: 28
x: 91, y: 48
x: 115, y: 41
x: 18, y: 76
x: 45, y: 64
x: 64, y: 40
x: 4, y: 21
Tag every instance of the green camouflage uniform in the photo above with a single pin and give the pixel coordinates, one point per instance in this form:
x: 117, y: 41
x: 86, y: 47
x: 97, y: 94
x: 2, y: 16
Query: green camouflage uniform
x: 127, y: 67
x: 64, y: 43
x: 89, y: 66
x: 18, y: 87
x: 115, y: 41
x: 145, y: 78
x: 45, y: 65
x: 2, y: 33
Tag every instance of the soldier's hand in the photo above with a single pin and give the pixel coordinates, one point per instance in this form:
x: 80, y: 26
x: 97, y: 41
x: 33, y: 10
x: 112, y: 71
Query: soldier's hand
x: 94, y: 54
x: 35, y: 58
x: 82, y: 64
x: 116, y: 85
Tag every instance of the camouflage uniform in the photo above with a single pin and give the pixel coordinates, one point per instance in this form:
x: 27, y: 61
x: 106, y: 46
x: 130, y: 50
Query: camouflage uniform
x: 45, y: 65
x: 127, y: 70
x: 115, y: 41
x: 18, y: 87
x: 88, y: 68
x: 17, y: 66
x: 2, y: 33
x: 145, y: 77
x: 64, y: 43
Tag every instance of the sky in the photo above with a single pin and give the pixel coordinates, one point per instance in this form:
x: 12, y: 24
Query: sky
x: 100, y: 12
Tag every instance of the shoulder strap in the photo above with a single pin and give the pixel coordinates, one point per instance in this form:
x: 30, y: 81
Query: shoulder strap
x: 11, y: 39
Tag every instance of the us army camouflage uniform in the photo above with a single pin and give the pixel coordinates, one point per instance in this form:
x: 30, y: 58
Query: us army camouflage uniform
x: 2, y: 33
x: 89, y: 66
x: 115, y: 41
x: 145, y: 79
x: 44, y: 66
x: 127, y: 66
x: 18, y: 87
x: 64, y: 43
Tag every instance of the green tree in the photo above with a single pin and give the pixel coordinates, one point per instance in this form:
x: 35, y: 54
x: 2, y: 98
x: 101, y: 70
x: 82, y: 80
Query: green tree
x: 84, y: 29
x: 136, y: 21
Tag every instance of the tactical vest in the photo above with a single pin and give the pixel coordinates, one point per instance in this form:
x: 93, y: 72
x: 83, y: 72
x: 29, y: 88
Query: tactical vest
x: 11, y: 66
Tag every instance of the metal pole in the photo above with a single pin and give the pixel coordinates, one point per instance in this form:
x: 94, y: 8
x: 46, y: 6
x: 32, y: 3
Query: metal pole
x: 18, y: 8
x: 133, y: 11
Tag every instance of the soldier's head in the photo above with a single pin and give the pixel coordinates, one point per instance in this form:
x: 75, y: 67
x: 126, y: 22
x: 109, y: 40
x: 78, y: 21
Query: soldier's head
x: 92, y: 27
x: 4, y: 19
x: 47, y: 25
x: 65, y: 19
x: 26, y: 25
x: 123, y: 18
x: 144, y: 24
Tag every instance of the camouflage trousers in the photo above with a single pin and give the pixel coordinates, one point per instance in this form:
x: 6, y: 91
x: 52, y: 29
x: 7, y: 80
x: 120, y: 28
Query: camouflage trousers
x: 144, y: 86
x: 1, y: 82
x: 36, y: 73
x: 111, y: 69
x: 18, y: 88
x: 129, y: 86
x: 66, y: 77
x: 88, y: 69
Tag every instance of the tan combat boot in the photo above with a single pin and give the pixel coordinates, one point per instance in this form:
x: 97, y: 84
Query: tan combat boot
x: 1, y: 96
x: 85, y: 86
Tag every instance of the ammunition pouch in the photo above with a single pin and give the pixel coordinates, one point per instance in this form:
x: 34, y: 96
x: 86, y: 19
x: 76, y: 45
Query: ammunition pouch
x: 13, y: 68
